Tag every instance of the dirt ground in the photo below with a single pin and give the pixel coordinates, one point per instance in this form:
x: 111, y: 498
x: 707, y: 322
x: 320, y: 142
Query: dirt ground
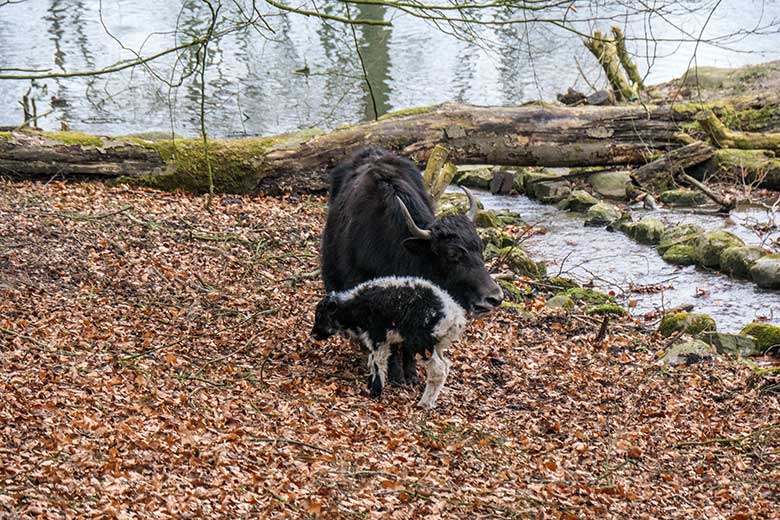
x: 155, y: 362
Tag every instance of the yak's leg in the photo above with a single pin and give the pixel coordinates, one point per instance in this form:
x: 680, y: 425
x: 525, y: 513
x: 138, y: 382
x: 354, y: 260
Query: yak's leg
x: 410, y: 367
x: 395, y: 372
x: 377, y: 365
x: 435, y: 374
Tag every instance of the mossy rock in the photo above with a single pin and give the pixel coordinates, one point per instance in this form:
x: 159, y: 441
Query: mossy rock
x: 518, y: 185
x: 588, y: 296
x: 682, y: 197
x: 710, y: 245
x: 626, y: 226
x: 742, y: 346
x: 680, y: 255
x: 687, y: 353
x: 766, y: 272
x: 563, y: 283
x: 510, y: 218
x: 684, y: 234
x: 737, y: 261
x: 478, y: 177
x: 534, y: 176
x: 454, y: 203
x: 513, y: 292
x: 690, y: 322
x: 578, y: 201
x: 606, y: 308
x: 602, y: 214
x: 520, y: 263
x: 614, y: 185
x: 767, y: 336
x: 550, y: 192
x: 648, y: 230
x: 495, y: 237
x: 518, y: 309
x: 560, y: 301
x: 487, y: 219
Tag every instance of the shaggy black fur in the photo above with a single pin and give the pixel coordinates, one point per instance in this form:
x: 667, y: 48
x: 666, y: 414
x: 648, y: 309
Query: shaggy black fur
x: 375, y: 311
x: 366, y: 237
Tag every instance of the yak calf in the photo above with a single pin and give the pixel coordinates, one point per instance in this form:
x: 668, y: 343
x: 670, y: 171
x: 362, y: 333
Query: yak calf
x: 407, y: 311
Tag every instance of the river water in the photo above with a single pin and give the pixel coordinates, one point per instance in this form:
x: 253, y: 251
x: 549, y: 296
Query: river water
x: 636, y: 273
x: 298, y: 72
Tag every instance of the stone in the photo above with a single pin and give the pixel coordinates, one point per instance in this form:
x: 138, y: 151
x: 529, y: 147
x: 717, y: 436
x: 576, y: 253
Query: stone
x: 741, y: 346
x: 737, y: 261
x: 496, y: 237
x: 560, y: 301
x: 535, y: 176
x: 709, y: 246
x: 689, y: 322
x: 687, y: 353
x: 683, y: 234
x: 588, y: 296
x: 648, y: 230
x: 602, y: 214
x: 502, y: 182
x: 614, y: 185
x: 578, y: 201
x: 563, y: 283
x: 518, y: 184
x: 680, y: 255
x: 520, y: 263
x: 766, y: 272
x: 478, y: 177
x: 606, y: 308
x: 512, y: 292
x: 683, y: 197
x: 600, y: 97
x: 550, y: 192
x: 767, y: 337
x: 510, y: 218
x: 487, y: 219
x: 454, y: 203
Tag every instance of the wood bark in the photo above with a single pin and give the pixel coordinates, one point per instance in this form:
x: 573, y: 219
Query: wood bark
x: 530, y: 135
x: 662, y: 170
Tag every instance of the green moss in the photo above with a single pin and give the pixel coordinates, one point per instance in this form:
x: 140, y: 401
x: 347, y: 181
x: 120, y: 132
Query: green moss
x: 691, y: 323
x: 560, y: 301
x: 5, y: 135
x: 495, y: 237
x: 683, y: 234
x: 680, y: 255
x: 408, y: 112
x: 516, y: 308
x: 767, y: 336
x: 648, y: 230
x: 683, y: 197
x: 487, y: 219
x: 237, y: 165
x: 508, y: 217
x: 710, y: 245
x: 606, y: 308
x: 588, y: 296
x: 563, y: 283
x: 75, y: 138
x: 512, y: 292
x: 519, y: 262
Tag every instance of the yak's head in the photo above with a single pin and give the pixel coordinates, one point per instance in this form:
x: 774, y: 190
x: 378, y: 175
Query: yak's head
x: 325, y: 322
x: 454, y: 251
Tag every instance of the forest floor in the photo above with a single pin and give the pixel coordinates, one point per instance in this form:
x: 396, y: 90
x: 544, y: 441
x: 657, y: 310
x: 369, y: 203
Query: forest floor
x: 155, y: 362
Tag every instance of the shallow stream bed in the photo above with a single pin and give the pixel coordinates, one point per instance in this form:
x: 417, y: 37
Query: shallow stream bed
x: 636, y: 272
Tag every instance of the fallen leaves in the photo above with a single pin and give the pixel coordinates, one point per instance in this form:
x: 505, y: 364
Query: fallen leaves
x: 155, y: 361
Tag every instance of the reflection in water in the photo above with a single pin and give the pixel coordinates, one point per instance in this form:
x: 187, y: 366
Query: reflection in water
x: 252, y: 83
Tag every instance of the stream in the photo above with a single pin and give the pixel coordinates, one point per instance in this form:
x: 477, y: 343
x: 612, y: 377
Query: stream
x: 635, y: 272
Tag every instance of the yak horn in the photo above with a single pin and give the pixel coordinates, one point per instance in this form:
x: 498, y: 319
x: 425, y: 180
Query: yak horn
x: 413, y: 229
x: 473, y: 206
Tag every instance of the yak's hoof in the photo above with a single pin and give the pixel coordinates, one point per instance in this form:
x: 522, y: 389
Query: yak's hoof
x: 375, y: 388
x: 412, y: 379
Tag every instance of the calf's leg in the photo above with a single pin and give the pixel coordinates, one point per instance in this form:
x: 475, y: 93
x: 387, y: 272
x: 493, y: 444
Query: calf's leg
x: 377, y: 366
x: 395, y: 373
x: 436, y: 369
x: 410, y: 367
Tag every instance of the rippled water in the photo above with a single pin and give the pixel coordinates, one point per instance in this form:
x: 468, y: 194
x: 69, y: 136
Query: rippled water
x: 613, y: 262
x: 306, y: 74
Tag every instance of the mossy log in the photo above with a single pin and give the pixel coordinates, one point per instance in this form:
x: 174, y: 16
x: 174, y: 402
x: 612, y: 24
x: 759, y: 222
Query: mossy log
x: 530, y: 135
x: 723, y: 137
x: 606, y: 51
x: 660, y: 172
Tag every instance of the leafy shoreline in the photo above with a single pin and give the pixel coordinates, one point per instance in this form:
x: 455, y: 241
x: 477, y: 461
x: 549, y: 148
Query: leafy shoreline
x: 155, y: 359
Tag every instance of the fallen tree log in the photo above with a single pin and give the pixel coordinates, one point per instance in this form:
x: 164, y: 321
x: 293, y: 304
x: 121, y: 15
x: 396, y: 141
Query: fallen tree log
x: 661, y: 171
x: 530, y: 135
